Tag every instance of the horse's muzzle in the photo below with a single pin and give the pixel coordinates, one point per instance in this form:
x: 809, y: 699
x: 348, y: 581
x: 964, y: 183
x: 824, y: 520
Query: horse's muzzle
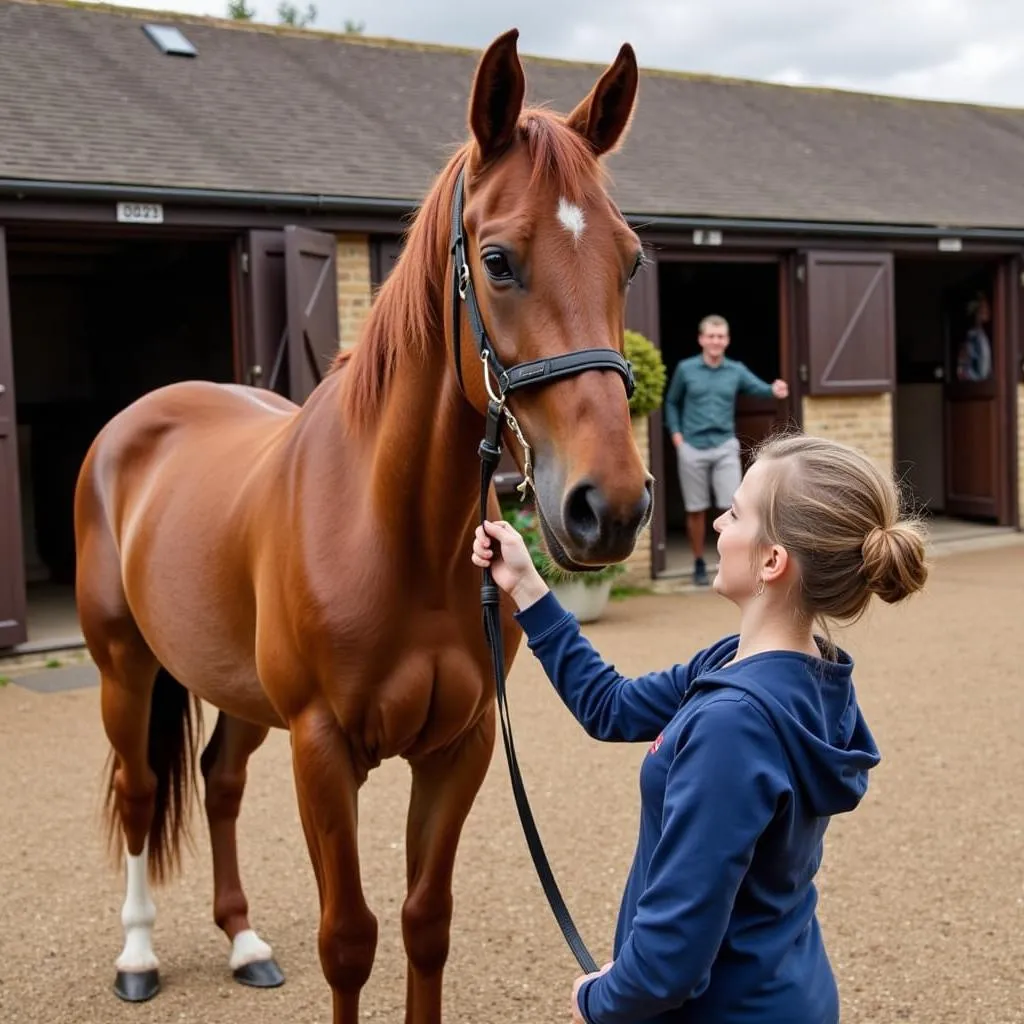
x: 598, y: 531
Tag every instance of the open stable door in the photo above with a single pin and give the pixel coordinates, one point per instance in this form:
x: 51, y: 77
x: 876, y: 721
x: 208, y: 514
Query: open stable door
x: 265, y: 362
x: 13, y: 619
x: 291, y: 313
x: 643, y: 315
x: 849, y: 323
x: 976, y: 445
x: 311, y: 289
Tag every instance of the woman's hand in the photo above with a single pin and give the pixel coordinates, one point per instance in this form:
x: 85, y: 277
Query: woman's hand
x: 510, y: 563
x: 577, y: 1016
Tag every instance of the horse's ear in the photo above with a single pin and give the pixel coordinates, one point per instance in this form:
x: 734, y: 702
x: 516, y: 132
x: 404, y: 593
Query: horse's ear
x: 499, y: 87
x: 602, y: 118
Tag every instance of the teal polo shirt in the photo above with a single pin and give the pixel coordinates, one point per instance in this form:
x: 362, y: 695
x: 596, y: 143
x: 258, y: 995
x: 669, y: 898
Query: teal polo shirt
x: 701, y: 400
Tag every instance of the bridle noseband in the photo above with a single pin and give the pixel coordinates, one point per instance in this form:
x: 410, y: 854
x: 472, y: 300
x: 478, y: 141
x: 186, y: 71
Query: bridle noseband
x: 528, y: 374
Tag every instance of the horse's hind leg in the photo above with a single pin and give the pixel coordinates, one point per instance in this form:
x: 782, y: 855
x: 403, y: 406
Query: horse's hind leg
x: 147, y: 717
x: 444, y: 786
x: 223, y: 765
x: 126, y: 687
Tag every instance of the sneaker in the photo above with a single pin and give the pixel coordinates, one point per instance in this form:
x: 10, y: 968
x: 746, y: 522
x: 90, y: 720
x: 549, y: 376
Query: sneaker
x: 700, y: 572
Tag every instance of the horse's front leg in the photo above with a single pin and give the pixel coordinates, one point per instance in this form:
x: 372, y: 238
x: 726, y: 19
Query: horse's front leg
x: 224, y: 768
x: 444, y: 786
x: 327, y: 781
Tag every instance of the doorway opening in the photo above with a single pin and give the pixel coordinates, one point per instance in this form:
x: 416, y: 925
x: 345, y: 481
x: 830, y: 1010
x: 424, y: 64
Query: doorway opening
x: 951, y: 444
x: 746, y: 292
x: 95, y: 324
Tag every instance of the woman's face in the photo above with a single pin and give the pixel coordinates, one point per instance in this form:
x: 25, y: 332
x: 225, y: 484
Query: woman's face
x: 738, y: 529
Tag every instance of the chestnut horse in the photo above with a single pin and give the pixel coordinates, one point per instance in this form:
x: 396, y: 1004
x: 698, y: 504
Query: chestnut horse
x: 308, y: 568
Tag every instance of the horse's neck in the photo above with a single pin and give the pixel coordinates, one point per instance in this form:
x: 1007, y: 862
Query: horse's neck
x: 424, y: 470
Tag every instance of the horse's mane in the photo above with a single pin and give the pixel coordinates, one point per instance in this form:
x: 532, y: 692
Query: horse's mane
x: 407, y: 315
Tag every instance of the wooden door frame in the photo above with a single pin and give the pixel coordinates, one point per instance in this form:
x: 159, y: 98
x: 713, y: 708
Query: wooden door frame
x: 1006, y: 342
x: 15, y: 632
x: 1014, y: 371
x: 1006, y: 312
x: 788, y: 361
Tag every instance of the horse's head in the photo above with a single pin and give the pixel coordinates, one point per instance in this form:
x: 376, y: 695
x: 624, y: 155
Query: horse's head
x: 549, y: 260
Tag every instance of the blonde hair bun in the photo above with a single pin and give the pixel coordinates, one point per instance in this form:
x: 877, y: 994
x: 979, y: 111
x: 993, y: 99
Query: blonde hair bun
x: 894, y: 561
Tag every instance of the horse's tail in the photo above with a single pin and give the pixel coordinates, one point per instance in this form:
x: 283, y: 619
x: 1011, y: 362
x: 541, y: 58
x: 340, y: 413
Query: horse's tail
x: 175, y: 722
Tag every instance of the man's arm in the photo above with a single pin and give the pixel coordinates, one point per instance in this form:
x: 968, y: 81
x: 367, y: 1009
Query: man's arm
x: 674, y: 402
x: 751, y: 384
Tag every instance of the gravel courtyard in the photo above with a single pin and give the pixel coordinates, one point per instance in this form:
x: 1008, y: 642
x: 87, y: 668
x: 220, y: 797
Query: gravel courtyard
x: 922, y: 890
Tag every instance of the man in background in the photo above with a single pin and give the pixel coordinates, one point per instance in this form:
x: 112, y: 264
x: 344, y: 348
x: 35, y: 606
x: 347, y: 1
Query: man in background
x: 700, y: 413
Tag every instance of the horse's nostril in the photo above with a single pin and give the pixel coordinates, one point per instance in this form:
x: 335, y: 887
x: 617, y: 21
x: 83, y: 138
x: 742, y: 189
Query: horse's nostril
x: 584, y: 511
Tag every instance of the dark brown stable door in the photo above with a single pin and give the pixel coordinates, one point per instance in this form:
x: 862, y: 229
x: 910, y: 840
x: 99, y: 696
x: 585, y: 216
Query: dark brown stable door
x: 292, y: 327
x: 849, y: 323
x: 13, y: 628
x: 975, y: 436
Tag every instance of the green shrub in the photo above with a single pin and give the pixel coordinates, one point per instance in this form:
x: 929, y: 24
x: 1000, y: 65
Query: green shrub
x: 649, y: 371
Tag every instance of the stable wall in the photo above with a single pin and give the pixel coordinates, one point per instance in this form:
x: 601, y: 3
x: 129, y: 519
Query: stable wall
x: 354, y: 294
x: 862, y: 420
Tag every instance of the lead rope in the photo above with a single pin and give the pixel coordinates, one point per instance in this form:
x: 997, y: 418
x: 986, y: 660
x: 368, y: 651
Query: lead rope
x: 490, y: 454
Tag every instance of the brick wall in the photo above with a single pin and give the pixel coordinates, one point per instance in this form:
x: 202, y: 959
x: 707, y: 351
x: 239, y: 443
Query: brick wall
x: 864, y: 421
x: 353, y: 265
x: 638, y: 565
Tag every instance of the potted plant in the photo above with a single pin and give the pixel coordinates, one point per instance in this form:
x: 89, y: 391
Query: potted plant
x: 649, y: 373
x: 585, y: 594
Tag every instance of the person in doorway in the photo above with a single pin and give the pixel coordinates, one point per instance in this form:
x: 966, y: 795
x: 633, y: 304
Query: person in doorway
x: 974, y: 360
x: 700, y: 413
x: 754, y: 744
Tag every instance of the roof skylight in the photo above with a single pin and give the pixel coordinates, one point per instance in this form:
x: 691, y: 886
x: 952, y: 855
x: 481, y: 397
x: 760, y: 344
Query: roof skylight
x: 170, y: 40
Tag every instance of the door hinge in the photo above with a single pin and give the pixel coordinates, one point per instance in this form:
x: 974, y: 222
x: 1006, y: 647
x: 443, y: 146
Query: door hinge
x: 245, y: 263
x: 803, y: 374
x: 801, y: 272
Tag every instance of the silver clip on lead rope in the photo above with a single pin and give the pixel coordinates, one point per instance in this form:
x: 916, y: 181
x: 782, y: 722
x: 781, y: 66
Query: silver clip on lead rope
x: 517, y: 433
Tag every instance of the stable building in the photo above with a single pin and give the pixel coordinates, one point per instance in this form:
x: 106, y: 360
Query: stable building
x: 184, y: 197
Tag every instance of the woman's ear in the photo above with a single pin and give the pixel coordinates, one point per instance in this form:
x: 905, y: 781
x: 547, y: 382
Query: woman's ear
x: 773, y: 563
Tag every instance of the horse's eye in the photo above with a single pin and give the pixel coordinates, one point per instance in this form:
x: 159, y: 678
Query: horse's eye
x: 497, y: 266
x: 641, y: 259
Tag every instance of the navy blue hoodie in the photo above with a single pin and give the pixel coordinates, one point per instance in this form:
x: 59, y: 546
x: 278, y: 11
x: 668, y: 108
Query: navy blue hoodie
x: 746, y: 764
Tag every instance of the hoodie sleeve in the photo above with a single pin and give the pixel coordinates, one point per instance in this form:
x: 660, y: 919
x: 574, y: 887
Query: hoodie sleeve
x: 609, y: 706
x: 725, y: 782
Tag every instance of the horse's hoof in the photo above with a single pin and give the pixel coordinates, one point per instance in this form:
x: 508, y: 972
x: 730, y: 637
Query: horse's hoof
x: 137, y: 986
x: 259, y: 974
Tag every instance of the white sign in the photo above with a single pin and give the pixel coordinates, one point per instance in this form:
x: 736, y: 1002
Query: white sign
x: 140, y: 213
x: 950, y: 245
x: 707, y: 237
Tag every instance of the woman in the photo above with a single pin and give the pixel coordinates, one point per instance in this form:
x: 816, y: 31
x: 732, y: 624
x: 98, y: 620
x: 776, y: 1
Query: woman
x: 755, y: 743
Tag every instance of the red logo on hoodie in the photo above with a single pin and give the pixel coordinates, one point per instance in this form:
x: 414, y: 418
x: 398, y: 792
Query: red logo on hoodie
x: 656, y: 745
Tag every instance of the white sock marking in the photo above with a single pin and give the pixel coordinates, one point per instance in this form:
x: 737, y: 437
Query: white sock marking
x: 570, y: 216
x: 248, y: 948
x: 138, y: 916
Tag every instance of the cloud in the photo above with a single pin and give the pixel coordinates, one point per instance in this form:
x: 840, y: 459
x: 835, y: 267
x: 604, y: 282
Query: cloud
x: 945, y: 49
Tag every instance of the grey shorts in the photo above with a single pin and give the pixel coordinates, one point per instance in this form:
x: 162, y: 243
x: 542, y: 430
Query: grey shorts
x: 702, y: 470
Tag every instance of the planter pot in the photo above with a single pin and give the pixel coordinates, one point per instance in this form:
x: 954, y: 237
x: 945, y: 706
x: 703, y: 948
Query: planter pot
x: 585, y: 602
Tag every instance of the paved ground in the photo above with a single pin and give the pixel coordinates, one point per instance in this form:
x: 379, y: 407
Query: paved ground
x: 922, y: 891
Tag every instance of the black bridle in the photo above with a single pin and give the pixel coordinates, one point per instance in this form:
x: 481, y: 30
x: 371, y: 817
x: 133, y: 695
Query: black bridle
x: 529, y: 374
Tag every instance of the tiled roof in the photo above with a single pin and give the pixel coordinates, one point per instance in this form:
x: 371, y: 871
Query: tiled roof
x: 85, y: 96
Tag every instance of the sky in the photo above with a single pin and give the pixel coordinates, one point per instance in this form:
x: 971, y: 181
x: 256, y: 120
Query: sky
x: 964, y: 50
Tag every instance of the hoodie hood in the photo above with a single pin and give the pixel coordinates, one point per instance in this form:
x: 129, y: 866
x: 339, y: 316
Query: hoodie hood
x: 813, y: 706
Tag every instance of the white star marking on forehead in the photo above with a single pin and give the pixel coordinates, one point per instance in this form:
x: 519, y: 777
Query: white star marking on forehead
x: 570, y: 216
